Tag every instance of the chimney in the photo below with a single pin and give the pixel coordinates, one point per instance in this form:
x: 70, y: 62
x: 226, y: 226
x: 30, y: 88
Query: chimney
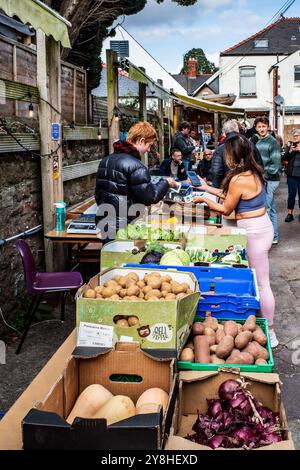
x: 192, y: 67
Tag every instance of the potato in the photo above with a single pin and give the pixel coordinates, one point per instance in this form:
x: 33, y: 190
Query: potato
x: 176, y: 287
x: 130, y: 282
x: 211, y: 339
x: 211, y: 322
x: 259, y: 336
x: 185, y: 286
x: 151, y: 276
x: 141, y: 295
x: 111, y: 282
x: 170, y: 296
x: 216, y: 360
x: 117, y: 278
x: 189, y: 292
x: 122, y: 323
x: 165, y: 286
x: 242, y: 339
x: 230, y: 328
x: 187, y: 354
x: 126, y: 297
x: 181, y: 295
x: 240, y: 327
x: 123, y: 293
x: 213, y: 348
x: 122, y: 281
x: 241, y: 358
x: 90, y: 294
x: 261, y: 361
x: 190, y: 345
x: 220, y: 334
x: 147, y: 289
x: 257, y: 351
x: 225, y: 347
x: 167, y: 279
x: 133, y: 276
x: 156, y: 293
x: 250, y: 323
x: 198, y: 328
x: 133, y: 290
x: 118, y: 289
x: 132, y: 321
x: 209, y: 331
x: 141, y: 284
x: 108, y: 292
x: 115, y: 297
x: 201, y: 345
x: 134, y: 298
x: 98, y: 290
x: 99, y: 296
x: 153, y: 298
x: 154, y: 283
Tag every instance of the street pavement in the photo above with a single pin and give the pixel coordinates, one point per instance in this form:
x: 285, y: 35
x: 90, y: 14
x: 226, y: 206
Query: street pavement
x: 45, y: 338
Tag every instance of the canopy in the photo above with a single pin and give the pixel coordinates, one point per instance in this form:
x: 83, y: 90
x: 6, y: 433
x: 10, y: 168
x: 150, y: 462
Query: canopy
x: 207, y: 106
x: 135, y: 73
x: 40, y: 16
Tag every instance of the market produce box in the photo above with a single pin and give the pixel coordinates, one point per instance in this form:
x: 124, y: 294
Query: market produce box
x: 160, y: 328
x: 215, y: 238
x: 195, y: 388
x: 247, y: 364
x: 117, y: 253
x: 54, y: 422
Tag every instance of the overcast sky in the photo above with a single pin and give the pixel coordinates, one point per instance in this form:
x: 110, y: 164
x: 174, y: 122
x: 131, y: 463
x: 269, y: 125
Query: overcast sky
x: 168, y: 31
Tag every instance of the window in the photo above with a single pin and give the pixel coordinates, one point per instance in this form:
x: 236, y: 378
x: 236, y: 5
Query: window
x: 247, y: 81
x: 261, y: 43
x: 297, y: 73
x: 120, y: 47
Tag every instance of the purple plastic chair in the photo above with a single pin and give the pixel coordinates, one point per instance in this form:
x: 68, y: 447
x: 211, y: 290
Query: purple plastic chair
x: 38, y: 284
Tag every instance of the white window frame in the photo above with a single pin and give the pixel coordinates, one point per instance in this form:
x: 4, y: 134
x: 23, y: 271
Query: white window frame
x: 261, y: 43
x: 249, y: 68
x: 297, y: 72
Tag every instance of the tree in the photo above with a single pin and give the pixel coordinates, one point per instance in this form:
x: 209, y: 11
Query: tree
x: 203, y: 64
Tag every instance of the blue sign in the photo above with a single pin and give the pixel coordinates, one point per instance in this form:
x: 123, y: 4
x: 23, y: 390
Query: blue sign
x: 55, y: 131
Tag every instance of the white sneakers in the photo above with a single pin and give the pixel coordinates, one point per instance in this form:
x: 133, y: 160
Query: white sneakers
x: 273, y: 339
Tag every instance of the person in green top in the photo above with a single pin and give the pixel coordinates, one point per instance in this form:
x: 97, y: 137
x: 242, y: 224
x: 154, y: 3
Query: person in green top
x: 269, y: 150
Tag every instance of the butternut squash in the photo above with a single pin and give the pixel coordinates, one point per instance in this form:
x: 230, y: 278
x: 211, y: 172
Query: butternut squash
x: 154, y: 395
x: 89, y: 402
x: 116, y: 409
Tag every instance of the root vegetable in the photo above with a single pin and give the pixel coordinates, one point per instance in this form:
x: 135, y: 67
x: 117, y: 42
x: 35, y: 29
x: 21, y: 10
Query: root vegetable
x: 154, y: 283
x: 98, y: 290
x: 116, y: 409
x: 211, y: 322
x: 187, y: 354
x: 209, y: 331
x: 181, y: 295
x: 170, y: 296
x: 146, y: 408
x: 133, y: 290
x: 176, y: 287
x: 165, y: 286
x: 166, y: 279
x: 108, y: 292
x: 189, y: 292
x: 213, y: 348
x: 230, y: 328
x: 122, y: 281
x: 250, y: 324
x: 147, y: 289
x: 123, y: 293
x: 242, y: 339
x: 90, y: 294
x: 89, y: 402
x: 114, y: 297
x: 225, y: 347
x: 198, y: 328
x: 132, y: 321
x: 154, y: 395
x: 141, y: 284
x: 219, y: 334
x: 156, y: 293
x: 216, y: 360
x: 122, y: 323
x: 111, y: 282
x: 133, y: 276
x: 257, y: 351
x: 185, y: 286
x: 260, y: 336
x: 117, y: 278
x: 153, y: 299
x: 201, y: 345
x: 261, y: 361
x: 241, y: 358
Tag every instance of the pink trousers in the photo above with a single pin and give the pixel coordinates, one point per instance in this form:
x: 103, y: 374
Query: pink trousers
x: 260, y: 234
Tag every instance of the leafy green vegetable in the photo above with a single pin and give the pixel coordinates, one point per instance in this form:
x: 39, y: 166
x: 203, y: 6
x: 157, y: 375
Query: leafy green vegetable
x: 232, y: 258
x: 183, y: 256
x: 171, y: 259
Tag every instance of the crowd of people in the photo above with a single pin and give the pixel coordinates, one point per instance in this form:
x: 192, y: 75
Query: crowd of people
x: 244, y: 171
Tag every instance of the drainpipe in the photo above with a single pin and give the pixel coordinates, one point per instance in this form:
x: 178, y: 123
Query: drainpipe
x: 275, y: 93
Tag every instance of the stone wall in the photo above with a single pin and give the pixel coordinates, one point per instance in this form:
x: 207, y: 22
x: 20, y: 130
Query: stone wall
x: 21, y: 209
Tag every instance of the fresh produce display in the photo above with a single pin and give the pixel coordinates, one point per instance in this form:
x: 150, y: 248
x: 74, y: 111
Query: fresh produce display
x: 142, y: 232
x: 152, y: 287
x: 175, y: 257
x: 226, y: 343
x: 236, y: 419
x: 153, y: 253
x: 201, y: 256
x: 232, y: 258
x: 97, y: 402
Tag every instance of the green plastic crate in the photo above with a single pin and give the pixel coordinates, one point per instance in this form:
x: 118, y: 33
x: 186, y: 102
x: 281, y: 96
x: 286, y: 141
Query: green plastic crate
x: 263, y: 323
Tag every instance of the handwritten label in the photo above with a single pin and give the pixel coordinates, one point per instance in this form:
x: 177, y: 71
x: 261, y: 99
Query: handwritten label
x: 93, y: 335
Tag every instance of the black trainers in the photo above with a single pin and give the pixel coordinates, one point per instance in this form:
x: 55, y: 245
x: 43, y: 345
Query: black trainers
x: 289, y: 218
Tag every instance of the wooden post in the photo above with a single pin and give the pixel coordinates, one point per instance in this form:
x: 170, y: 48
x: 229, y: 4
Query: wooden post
x: 112, y: 97
x: 161, y: 127
x: 216, y: 129
x: 15, y: 75
x: 142, y: 100
x: 177, y: 116
x: 171, y: 123
x: 49, y: 85
x: 74, y: 94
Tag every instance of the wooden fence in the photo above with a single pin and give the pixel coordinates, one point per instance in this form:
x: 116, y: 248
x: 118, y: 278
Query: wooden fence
x: 18, y: 64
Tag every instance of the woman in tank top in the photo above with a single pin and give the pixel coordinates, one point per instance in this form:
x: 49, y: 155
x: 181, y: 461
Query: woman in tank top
x: 243, y: 191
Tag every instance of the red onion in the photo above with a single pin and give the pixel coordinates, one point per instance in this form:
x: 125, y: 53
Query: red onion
x: 214, y: 408
x: 245, y: 436
x: 227, y: 389
x: 266, y: 439
x: 216, y: 441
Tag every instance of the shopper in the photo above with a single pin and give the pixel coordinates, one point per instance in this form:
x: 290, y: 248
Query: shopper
x: 292, y: 156
x: 204, y: 166
x: 219, y: 168
x: 123, y: 180
x: 174, y: 166
x: 184, y: 144
x: 269, y: 150
x: 244, y: 192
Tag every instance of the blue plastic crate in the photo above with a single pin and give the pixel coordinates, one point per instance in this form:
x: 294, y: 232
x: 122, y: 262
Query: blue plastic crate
x: 225, y: 290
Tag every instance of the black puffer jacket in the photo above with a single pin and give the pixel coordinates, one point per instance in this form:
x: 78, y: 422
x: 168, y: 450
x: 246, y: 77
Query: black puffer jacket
x: 123, y: 180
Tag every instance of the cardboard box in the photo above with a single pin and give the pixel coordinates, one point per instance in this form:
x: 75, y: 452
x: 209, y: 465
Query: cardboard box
x: 118, y: 253
x: 196, y: 387
x: 44, y: 426
x: 215, y: 238
x: 163, y: 326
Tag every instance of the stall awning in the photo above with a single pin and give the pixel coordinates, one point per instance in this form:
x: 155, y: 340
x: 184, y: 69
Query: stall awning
x: 40, y: 16
x: 139, y: 76
x: 207, y: 106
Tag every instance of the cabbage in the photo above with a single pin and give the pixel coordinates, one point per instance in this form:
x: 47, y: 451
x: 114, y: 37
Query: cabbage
x: 122, y: 234
x: 171, y: 259
x: 183, y: 256
x: 232, y: 258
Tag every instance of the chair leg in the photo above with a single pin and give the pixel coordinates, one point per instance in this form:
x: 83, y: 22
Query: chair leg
x: 63, y: 303
x: 31, y: 313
